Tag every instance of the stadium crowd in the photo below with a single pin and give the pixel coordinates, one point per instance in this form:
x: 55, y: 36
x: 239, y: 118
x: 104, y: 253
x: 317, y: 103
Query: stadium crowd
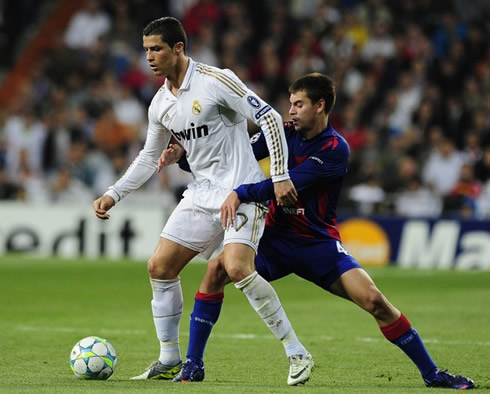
x: 413, y: 95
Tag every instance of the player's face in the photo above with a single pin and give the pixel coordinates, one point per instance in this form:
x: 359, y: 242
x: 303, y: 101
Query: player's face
x: 160, y: 56
x: 303, y: 112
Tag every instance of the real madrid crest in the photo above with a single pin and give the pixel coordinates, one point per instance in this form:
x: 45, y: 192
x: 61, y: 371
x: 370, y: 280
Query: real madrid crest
x: 196, y: 107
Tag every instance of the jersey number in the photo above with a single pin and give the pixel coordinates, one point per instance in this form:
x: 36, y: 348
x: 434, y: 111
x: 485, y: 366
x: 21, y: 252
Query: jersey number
x: 341, y: 249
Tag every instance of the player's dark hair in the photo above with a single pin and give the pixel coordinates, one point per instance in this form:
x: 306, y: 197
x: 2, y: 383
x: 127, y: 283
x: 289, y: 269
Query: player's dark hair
x: 170, y: 30
x: 317, y: 86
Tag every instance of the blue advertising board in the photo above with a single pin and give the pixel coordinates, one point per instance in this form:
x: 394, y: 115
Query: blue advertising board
x: 418, y: 243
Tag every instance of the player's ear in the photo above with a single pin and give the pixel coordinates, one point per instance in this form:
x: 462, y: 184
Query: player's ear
x: 178, y: 48
x: 320, y: 105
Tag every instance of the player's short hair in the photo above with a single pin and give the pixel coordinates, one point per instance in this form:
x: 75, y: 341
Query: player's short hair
x: 317, y: 86
x: 170, y: 30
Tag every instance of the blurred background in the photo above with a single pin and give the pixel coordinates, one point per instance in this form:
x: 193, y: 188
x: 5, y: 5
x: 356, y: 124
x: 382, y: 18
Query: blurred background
x: 412, y: 76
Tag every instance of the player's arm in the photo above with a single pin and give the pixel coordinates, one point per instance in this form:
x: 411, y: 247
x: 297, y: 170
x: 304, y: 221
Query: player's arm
x: 326, y: 164
x: 140, y: 170
x: 175, y: 153
x: 233, y: 93
x: 259, y: 145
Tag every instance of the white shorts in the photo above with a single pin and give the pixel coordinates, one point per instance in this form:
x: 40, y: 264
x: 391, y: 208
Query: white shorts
x: 200, y: 229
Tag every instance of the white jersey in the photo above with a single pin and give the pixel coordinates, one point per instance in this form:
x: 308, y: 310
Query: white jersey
x: 209, y: 119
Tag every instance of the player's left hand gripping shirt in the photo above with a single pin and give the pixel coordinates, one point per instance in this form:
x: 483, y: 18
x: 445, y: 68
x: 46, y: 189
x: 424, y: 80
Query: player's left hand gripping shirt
x: 209, y: 119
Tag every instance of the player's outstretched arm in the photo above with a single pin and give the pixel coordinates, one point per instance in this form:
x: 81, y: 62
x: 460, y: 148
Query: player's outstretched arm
x: 102, y: 206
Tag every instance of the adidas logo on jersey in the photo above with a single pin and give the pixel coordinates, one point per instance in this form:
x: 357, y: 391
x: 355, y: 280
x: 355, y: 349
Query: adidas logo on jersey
x: 192, y: 133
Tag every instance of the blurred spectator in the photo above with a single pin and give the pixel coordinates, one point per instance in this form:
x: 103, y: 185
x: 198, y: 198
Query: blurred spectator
x: 337, y: 44
x: 408, y: 96
x: 57, y: 142
x: 368, y: 195
x: 351, y: 130
x: 482, y: 166
x: 464, y: 194
x: 380, y: 43
x: 483, y: 203
x: 356, y: 29
x: 24, y: 134
x: 443, y: 167
x: 110, y: 134
x: 449, y: 29
x: 202, y: 48
x: 32, y: 185
x: 67, y: 189
x: 412, y: 77
x: 201, y: 13
x: 472, y: 150
x: 416, y: 200
x: 87, y: 26
x: 8, y: 189
x: 129, y: 111
x: 109, y: 174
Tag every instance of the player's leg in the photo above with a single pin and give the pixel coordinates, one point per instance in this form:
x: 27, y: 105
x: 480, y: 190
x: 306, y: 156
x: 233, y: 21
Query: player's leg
x: 164, y: 267
x: 207, y: 307
x: 186, y: 233
x: 357, y: 286
x: 239, y: 265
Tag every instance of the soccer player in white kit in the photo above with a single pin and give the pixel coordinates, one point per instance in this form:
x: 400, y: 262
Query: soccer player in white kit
x: 206, y: 110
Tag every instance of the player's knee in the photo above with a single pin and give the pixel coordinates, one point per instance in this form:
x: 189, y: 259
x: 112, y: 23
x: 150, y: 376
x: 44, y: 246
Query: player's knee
x: 158, y: 269
x: 238, y: 272
x: 215, y: 268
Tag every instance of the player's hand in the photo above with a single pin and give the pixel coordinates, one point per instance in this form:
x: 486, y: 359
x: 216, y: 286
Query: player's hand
x: 169, y: 156
x: 102, y: 205
x: 228, y: 210
x: 285, y: 192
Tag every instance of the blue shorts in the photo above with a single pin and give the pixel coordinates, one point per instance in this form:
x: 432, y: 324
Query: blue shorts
x: 321, y: 261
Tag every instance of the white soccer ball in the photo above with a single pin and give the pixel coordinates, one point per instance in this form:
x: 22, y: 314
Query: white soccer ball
x: 93, y: 358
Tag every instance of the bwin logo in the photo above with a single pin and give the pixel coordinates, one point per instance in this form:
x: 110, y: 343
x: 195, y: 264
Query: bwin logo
x: 192, y: 133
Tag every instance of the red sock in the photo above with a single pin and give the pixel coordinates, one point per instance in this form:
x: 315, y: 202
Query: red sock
x: 396, y: 329
x: 209, y: 297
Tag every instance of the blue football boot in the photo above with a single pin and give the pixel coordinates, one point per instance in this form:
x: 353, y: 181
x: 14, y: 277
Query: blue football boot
x: 444, y: 379
x: 191, y: 372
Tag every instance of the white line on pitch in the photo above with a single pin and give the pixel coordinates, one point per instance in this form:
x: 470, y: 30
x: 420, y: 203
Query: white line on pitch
x: 325, y: 338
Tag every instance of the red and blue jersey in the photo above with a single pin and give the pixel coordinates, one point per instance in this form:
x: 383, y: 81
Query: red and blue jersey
x: 317, y: 168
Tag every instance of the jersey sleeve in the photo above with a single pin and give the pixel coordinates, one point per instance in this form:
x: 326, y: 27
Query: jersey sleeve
x: 145, y: 164
x: 259, y: 146
x: 324, y: 165
x: 234, y: 94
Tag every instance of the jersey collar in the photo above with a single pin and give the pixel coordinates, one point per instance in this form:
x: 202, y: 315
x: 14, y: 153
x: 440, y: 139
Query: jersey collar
x: 187, y: 78
x: 327, y: 131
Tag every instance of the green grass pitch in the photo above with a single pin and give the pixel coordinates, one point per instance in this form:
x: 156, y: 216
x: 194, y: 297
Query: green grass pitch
x: 46, y: 306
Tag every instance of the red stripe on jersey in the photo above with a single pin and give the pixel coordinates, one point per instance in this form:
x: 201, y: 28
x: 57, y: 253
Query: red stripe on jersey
x: 322, y: 207
x: 332, y: 230
x: 300, y: 159
x: 269, y: 219
x: 331, y: 143
x: 300, y: 226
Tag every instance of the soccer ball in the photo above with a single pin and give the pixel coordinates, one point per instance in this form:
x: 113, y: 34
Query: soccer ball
x: 93, y: 358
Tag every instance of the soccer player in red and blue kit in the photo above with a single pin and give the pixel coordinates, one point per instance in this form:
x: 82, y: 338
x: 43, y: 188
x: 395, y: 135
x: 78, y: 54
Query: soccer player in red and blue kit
x: 303, y: 238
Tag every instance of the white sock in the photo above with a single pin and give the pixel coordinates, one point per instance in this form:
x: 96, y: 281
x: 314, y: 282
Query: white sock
x: 265, y: 301
x: 167, y: 305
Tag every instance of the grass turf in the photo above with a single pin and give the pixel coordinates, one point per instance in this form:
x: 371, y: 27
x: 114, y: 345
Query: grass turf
x: 46, y: 306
